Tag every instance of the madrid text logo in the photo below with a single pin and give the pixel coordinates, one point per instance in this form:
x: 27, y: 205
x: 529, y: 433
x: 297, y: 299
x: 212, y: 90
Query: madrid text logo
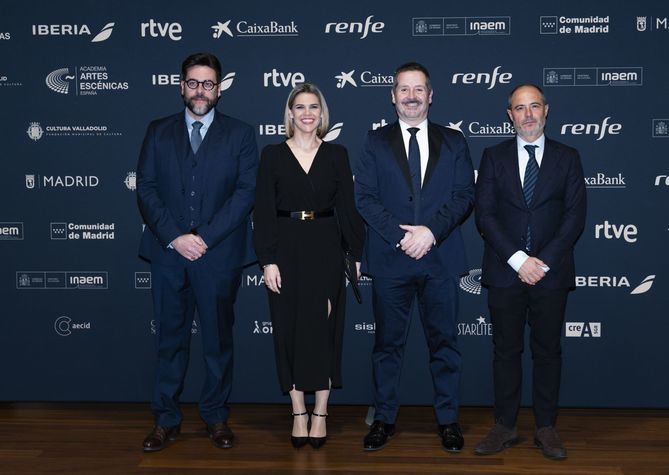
x: 472, y: 282
x: 279, y: 79
x: 583, y: 329
x: 660, y: 128
x: 597, y: 130
x: 64, y: 326
x: 130, y: 181
x: 354, y: 27
x: 253, y: 280
x: 87, y: 81
x: 156, y: 29
x: 73, y: 30
x: 553, y: 25
x: 489, y: 79
x: 334, y: 132
x: 601, y: 180
x: 70, y: 280
x: 11, y: 231
x: 82, y: 232
x: 479, y: 328
x: 61, y: 181
x: 142, y: 280
x: 594, y: 76
x: 248, y: 28
x: 627, y: 232
x: 461, y: 26
x: 262, y: 328
x: 645, y: 23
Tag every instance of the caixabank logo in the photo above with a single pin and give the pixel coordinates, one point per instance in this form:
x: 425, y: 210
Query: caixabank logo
x: 89, y: 80
x: 603, y: 180
x: 461, y: 26
x: 62, y: 280
x: 481, y: 129
x: 365, y: 78
x: 593, y: 76
x: 262, y: 29
x: 73, y: 30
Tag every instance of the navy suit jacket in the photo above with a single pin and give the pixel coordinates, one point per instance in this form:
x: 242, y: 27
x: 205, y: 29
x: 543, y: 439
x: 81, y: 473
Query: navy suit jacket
x: 384, y: 198
x: 556, y: 214
x: 228, y: 189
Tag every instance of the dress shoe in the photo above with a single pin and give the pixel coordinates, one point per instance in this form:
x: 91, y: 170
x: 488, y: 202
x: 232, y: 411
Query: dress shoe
x: 548, y: 440
x: 221, y: 435
x: 499, y: 438
x: 317, y: 442
x: 378, y: 436
x: 159, y: 437
x: 302, y: 440
x: 451, y: 437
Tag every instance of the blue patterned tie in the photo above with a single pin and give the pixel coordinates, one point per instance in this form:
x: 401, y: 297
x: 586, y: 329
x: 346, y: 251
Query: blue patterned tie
x: 195, y: 137
x: 414, y: 168
x: 529, y: 183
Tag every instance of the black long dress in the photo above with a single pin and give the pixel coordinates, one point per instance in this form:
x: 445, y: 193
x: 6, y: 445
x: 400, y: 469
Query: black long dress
x: 308, y: 343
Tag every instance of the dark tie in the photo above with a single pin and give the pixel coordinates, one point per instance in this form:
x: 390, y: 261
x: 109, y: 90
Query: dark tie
x: 195, y: 137
x: 529, y: 183
x: 414, y: 168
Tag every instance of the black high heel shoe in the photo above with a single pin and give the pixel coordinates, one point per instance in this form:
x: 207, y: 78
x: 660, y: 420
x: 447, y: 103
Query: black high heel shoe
x: 318, y: 442
x: 299, y: 441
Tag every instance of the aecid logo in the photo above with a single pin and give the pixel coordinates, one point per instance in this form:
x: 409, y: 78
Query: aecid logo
x: 583, y: 329
x: 64, y: 326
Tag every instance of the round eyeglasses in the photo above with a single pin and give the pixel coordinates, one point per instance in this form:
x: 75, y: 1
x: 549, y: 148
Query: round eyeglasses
x: 207, y: 85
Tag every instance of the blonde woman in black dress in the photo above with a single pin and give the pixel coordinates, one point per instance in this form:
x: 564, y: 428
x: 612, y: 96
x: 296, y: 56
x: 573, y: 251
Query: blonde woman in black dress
x: 304, y: 214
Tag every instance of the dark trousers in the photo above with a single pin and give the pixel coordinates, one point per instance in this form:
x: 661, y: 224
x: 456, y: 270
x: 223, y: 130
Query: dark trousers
x: 177, y: 292
x: 438, y: 308
x: 543, y: 309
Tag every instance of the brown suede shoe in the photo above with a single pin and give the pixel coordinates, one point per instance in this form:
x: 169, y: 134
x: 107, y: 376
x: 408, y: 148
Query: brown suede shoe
x: 498, y: 439
x: 159, y: 437
x: 221, y: 435
x: 548, y: 440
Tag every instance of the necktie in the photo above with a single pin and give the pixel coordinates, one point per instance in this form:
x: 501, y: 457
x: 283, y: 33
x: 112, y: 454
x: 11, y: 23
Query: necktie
x: 529, y: 183
x: 414, y: 169
x: 195, y: 137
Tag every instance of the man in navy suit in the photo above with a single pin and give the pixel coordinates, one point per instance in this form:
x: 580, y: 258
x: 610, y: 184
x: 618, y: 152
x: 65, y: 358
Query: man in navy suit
x: 414, y: 187
x: 530, y: 210
x: 195, y: 189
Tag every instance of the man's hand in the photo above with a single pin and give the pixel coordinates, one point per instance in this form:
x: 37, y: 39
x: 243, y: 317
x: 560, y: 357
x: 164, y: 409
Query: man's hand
x: 190, y: 246
x: 272, y: 277
x: 531, y: 272
x: 417, y: 241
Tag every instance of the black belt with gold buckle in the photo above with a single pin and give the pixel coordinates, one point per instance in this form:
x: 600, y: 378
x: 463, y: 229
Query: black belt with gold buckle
x: 305, y: 215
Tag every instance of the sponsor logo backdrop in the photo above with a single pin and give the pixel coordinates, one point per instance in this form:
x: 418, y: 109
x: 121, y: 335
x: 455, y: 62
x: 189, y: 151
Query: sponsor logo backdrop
x: 80, y: 85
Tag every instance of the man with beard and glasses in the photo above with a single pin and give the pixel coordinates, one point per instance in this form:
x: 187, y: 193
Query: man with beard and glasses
x: 195, y: 189
x: 414, y: 187
x: 530, y: 209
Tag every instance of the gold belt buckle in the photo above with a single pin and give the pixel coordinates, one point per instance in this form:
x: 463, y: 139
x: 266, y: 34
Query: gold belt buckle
x: 307, y: 215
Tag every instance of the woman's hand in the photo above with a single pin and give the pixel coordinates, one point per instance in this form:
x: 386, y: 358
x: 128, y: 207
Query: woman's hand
x: 357, y: 268
x: 272, y: 277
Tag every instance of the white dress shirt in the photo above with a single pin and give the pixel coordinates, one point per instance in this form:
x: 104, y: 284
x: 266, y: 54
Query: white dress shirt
x: 423, y: 144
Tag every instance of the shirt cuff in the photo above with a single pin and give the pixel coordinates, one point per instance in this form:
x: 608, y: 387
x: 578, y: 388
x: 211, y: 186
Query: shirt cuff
x: 517, y: 260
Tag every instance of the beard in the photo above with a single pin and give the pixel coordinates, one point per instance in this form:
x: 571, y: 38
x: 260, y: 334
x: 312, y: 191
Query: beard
x: 203, y: 109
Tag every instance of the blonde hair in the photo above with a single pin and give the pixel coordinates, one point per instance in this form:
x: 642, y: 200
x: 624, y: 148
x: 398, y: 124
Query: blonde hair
x: 307, y: 88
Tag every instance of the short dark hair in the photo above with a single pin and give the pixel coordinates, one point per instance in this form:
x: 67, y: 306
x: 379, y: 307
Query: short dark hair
x: 412, y: 66
x: 201, y: 59
x: 513, y: 91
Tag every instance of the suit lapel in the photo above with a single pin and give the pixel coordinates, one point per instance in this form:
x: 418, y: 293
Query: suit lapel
x: 181, y: 143
x: 399, y: 152
x: 512, y: 166
x: 435, y: 140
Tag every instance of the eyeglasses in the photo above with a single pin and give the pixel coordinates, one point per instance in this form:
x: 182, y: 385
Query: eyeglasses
x: 207, y: 85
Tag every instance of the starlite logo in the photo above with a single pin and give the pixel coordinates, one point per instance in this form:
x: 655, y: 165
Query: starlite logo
x: 601, y: 180
x: 480, y: 328
x: 471, y: 282
x: 554, y: 25
x: 583, y: 329
x: 488, y: 79
x: 593, y: 76
x: 11, y: 231
x: 73, y: 30
x: 597, y: 130
x: 461, y: 26
x: 249, y: 28
x: 87, y: 81
x: 156, y: 29
x: 353, y: 27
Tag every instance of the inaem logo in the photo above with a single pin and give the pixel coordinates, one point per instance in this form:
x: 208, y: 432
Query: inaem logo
x: 345, y: 78
x: 334, y: 132
x: 644, y: 286
x: 220, y: 28
x: 58, y: 80
x: 472, y: 282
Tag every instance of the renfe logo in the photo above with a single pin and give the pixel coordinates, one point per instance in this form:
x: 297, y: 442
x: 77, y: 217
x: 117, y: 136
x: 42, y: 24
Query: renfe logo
x: 356, y: 27
x: 483, y: 78
x: 600, y: 130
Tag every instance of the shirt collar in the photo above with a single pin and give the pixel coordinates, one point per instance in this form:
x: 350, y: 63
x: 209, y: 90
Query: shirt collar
x: 540, y: 142
x: 206, y: 120
x: 422, y: 126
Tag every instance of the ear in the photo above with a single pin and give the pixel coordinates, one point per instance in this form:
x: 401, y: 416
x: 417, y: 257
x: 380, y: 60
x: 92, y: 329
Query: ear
x: 429, y: 98
x: 545, y: 111
x: 508, y: 112
x: 183, y: 88
x: 392, y: 94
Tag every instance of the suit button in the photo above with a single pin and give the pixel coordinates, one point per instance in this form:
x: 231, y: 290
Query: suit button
x: 192, y: 193
x: 410, y: 198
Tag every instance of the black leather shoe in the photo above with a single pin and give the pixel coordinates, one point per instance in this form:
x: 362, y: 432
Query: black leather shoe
x: 378, y: 436
x: 299, y: 441
x: 221, y: 435
x: 159, y: 437
x: 451, y: 437
x: 317, y: 442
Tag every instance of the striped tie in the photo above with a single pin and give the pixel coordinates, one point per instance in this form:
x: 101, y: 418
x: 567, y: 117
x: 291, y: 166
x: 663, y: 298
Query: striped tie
x: 195, y: 136
x: 529, y: 183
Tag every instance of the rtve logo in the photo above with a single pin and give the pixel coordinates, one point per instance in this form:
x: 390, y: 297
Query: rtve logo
x: 491, y: 79
x: 599, y: 130
x: 156, y: 29
x: 278, y: 79
x: 364, y: 29
x: 628, y: 232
